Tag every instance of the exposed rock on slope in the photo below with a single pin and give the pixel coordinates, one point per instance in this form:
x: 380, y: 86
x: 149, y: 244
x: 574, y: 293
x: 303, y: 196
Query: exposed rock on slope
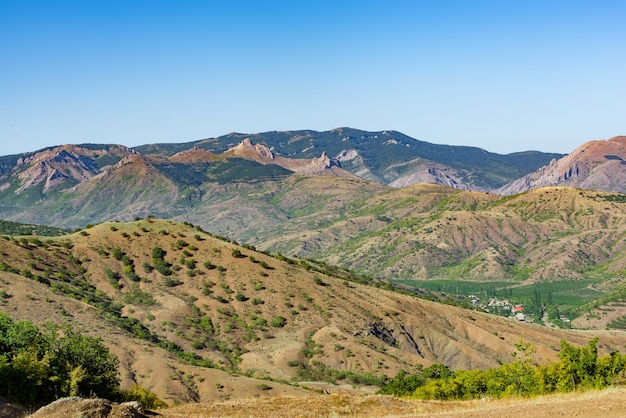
x: 58, y: 165
x: 598, y: 165
x: 90, y: 408
x: 222, y: 305
x: 322, y: 165
x: 433, y: 173
x: 62, y: 167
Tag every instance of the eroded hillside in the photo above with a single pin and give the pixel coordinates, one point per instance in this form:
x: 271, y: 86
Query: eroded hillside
x: 428, y: 231
x: 195, y: 318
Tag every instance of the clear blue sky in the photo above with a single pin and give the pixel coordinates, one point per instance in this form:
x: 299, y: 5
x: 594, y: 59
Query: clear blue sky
x: 502, y: 75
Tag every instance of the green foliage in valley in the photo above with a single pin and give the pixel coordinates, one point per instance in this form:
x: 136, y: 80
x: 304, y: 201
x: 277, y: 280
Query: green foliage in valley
x: 578, y: 368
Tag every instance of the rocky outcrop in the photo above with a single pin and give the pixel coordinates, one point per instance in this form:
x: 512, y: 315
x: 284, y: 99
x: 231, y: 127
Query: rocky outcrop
x: 90, y: 408
x: 246, y: 149
x: 322, y: 165
x: 598, y: 165
x: 435, y: 174
x: 65, y: 165
x: 378, y: 330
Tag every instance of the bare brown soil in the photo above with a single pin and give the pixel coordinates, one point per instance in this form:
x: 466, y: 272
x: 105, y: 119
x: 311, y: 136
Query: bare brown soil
x: 327, y: 324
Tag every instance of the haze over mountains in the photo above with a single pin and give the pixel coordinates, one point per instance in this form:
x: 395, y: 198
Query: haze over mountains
x: 385, y: 157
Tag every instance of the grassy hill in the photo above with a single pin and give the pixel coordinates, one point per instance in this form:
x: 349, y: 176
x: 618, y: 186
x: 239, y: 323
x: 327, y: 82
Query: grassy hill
x: 194, y: 317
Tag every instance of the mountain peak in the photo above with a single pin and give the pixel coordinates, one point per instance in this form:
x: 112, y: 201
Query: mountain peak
x: 248, y: 149
x: 598, y: 164
x: 54, y: 166
x: 322, y: 165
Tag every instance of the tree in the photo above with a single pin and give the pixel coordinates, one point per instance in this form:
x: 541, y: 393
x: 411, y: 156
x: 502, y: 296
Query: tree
x: 73, y: 350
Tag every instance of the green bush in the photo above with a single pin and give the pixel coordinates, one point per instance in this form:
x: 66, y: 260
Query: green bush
x: 148, y: 399
x: 171, y: 282
x: 578, y: 368
x: 38, y: 367
x: 319, y: 281
x: 278, y: 321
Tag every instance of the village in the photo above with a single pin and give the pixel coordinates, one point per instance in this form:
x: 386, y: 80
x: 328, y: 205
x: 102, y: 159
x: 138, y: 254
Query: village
x: 505, y: 307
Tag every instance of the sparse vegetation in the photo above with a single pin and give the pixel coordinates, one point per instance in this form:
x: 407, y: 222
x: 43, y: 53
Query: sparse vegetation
x: 227, y: 309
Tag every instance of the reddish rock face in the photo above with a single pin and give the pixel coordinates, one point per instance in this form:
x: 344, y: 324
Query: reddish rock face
x: 66, y: 163
x: 599, y: 165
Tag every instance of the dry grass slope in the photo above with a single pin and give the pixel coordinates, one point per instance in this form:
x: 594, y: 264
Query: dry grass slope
x: 267, y: 326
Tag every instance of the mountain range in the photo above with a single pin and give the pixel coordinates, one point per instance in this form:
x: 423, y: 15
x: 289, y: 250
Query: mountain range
x: 195, y: 316
x: 282, y: 191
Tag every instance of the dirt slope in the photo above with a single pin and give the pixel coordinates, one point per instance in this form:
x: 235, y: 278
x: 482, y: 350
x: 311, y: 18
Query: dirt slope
x: 225, y: 306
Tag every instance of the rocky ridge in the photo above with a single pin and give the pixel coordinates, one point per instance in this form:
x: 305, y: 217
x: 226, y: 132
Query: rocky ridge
x: 596, y: 165
x: 322, y: 165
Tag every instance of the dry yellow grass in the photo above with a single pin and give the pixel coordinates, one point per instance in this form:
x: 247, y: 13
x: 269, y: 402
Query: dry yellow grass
x: 607, y: 404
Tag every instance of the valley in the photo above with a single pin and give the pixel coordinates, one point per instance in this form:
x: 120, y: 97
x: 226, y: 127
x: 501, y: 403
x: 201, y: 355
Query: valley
x: 222, y: 313
x: 229, y: 271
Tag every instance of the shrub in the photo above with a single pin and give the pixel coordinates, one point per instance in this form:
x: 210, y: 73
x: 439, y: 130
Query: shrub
x: 278, y: 321
x: 171, y: 282
x: 38, y: 367
x: 319, y: 281
x: 147, y: 267
x: 148, y: 399
x: 136, y: 296
x: 117, y: 254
